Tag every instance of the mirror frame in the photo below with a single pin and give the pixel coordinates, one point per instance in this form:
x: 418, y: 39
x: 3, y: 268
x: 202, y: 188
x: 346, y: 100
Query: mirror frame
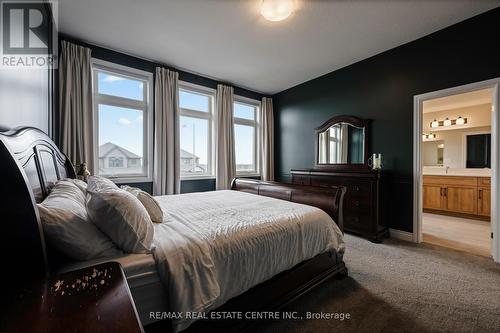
x: 354, y: 121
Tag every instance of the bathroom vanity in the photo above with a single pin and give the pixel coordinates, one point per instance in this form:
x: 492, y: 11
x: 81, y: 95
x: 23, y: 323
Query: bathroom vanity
x: 458, y: 195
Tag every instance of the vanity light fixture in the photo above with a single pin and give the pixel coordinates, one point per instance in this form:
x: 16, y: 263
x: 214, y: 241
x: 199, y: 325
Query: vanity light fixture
x: 448, y: 122
x: 428, y: 136
x: 277, y: 10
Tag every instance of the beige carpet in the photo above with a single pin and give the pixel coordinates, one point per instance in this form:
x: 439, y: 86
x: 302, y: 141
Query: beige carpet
x: 403, y: 287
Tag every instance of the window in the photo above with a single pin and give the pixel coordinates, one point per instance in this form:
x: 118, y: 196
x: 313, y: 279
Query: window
x: 196, y: 124
x: 246, y: 136
x: 116, y: 162
x: 123, y: 121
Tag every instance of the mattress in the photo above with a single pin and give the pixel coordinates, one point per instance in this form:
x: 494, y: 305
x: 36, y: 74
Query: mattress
x: 144, y: 282
x: 216, y: 245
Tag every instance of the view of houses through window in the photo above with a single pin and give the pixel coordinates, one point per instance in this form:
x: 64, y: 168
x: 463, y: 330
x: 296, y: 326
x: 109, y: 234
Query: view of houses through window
x: 245, y: 137
x: 196, y: 110
x: 121, y: 109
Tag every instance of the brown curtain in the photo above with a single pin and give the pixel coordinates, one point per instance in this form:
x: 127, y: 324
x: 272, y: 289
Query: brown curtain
x: 267, y: 138
x: 76, y: 137
x: 166, y: 173
x: 225, y: 157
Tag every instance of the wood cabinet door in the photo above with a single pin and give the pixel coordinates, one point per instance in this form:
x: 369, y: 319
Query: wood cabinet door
x: 461, y: 199
x: 484, y: 202
x: 432, y: 198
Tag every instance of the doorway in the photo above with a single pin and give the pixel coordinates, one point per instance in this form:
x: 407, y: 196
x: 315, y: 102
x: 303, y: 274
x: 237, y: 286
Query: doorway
x: 455, y: 168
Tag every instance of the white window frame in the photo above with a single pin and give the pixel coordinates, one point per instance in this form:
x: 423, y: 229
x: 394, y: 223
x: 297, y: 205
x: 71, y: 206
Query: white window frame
x: 256, y: 125
x: 205, y: 91
x: 146, y: 106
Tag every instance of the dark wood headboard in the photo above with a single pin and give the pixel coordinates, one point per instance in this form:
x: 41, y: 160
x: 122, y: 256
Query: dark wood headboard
x: 330, y: 199
x: 30, y: 165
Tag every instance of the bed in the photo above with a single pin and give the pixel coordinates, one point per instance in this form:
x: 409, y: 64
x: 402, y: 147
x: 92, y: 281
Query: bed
x: 32, y: 164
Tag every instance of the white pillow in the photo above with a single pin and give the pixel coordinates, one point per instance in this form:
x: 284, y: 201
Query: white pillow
x: 79, y: 183
x: 121, y: 216
x: 66, y: 224
x: 150, y: 203
x: 98, y: 183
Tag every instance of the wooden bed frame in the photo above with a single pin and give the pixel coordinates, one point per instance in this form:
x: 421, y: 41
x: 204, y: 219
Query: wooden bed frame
x: 31, y: 164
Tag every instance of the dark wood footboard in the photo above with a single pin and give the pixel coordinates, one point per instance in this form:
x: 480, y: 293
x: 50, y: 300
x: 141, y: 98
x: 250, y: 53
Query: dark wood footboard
x: 269, y: 296
x: 328, y: 199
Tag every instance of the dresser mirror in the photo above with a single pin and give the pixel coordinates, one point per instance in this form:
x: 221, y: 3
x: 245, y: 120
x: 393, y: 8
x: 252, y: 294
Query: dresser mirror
x: 342, y: 141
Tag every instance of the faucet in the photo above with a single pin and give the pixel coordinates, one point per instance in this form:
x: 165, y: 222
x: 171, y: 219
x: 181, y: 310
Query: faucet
x: 447, y: 168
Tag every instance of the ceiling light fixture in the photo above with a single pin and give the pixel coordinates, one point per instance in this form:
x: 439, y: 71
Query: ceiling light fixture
x: 276, y: 10
x: 435, y: 124
x: 447, y: 122
x: 460, y: 121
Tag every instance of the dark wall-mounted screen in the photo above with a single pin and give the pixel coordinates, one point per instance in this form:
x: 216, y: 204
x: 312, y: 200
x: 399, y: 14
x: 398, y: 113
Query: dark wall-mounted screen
x: 479, y: 151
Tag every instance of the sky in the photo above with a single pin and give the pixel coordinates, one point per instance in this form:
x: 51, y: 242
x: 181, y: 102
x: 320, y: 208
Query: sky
x: 125, y: 126
x: 121, y: 126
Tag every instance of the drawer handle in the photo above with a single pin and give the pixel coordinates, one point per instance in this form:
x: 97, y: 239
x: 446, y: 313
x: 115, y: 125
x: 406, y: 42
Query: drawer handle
x: 355, y: 188
x: 480, y: 194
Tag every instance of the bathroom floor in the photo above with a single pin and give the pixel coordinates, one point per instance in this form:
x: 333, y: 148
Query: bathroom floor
x: 468, y: 235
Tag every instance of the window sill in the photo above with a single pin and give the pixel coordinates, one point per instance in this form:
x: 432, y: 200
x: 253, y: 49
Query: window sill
x: 119, y: 180
x: 197, y: 177
x: 248, y: 175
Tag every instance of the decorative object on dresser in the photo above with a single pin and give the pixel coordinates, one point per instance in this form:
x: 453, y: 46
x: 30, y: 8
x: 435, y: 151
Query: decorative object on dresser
x: 92, y: 299
x: 342, y: 145
x: 83, y: 173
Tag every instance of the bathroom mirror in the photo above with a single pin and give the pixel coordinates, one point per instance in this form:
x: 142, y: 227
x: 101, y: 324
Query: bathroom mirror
x: 433, y: 153
x: 342, y: 142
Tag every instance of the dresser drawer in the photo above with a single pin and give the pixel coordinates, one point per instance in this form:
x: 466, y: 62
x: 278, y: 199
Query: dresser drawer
x: 321, y: 181
x: 301, y: 180
x: 357, y: 204
x: 358, y: 222
x: 359, y: 189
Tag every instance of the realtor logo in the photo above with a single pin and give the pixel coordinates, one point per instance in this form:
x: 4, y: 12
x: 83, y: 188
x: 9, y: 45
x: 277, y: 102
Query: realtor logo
x: 28, y: 29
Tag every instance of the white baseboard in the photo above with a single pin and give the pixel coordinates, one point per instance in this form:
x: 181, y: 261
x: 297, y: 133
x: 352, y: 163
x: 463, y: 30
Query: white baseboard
x: 402, y: 235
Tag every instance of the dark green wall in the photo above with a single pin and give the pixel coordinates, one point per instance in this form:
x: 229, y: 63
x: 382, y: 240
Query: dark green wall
x: 381, y: 88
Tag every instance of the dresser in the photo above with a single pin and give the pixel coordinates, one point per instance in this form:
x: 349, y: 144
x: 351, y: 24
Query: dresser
x: 363, y: 201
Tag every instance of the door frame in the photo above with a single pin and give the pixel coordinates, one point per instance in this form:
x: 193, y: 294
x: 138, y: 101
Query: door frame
x: 418, y: 100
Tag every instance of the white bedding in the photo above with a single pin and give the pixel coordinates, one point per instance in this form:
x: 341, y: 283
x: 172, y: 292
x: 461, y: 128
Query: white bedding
x: 217, y: 245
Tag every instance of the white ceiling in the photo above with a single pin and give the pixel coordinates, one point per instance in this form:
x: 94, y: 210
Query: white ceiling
x: 230, y: 41
x: 473, y: 98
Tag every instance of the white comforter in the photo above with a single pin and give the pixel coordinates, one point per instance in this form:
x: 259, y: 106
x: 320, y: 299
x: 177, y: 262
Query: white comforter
x: 217, y: 245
